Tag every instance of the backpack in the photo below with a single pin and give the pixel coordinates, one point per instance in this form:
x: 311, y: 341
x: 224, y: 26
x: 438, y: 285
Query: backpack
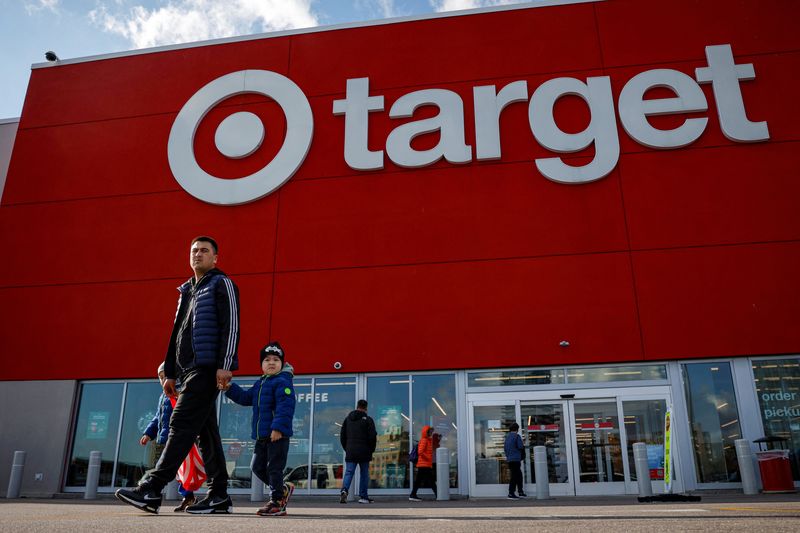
x: 413, y: 455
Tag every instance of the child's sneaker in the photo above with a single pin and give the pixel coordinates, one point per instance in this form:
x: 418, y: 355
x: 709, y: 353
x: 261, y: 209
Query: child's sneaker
x: 271, y: 509
x: 288, y: 490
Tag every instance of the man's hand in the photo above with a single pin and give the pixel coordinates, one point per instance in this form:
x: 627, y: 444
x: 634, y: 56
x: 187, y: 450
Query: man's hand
x: 275, y: 435
x: 223, y: 379
x: 144, y: 440
x: 169, y: 388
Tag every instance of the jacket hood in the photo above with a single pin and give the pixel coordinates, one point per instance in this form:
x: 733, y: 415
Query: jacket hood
x: 424, y: 433
x: 355, y: 415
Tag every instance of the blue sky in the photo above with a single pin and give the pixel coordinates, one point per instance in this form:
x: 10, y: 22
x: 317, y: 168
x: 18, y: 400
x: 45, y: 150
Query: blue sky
x: 77, y: 28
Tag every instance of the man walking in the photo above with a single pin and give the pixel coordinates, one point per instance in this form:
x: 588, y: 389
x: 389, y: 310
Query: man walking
x: 202, y: 354
x: 358, y: 438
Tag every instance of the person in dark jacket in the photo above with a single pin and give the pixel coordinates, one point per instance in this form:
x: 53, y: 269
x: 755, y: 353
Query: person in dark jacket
x: 515, y: 452
x: 202, y: 352
x: 358, y: 438
x: 273, y: 401
x: 158, y: 431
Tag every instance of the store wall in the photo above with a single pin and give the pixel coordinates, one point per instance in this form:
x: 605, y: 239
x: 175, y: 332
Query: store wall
x: 35, y: 418
x: 682, y: 253
x: 8, y: 131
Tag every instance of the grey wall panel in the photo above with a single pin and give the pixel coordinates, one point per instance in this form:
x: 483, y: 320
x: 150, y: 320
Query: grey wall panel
x: 35, y: 416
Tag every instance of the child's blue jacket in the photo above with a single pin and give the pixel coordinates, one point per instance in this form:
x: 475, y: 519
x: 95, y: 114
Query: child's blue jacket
x: 273, y: 401
x: 158, y: 428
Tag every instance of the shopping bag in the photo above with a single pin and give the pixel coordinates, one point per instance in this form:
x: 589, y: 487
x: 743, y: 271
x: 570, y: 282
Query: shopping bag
x: 192, y: 472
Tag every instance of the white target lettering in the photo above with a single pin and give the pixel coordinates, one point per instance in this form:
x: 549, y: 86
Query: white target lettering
x: 239, y: 135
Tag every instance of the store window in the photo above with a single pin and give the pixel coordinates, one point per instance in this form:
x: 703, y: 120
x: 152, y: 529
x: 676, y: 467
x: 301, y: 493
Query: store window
x: 509, y: 378
x: 141, y: 406
x: 778, y: 387
x: 95, y: 430
x: 389, y: 407
x: 617, y: 373
x: 235, y: 431
x: 333, y: 398
x: 299, y: 444
x: 714, y: 421
x: 434, y: 404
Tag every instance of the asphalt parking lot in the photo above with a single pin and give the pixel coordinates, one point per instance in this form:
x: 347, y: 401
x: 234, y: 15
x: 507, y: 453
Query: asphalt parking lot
x: 717, y: 512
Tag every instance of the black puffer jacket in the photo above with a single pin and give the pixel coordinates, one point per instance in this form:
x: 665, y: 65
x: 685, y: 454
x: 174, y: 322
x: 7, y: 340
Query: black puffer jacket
x: 358, y: 437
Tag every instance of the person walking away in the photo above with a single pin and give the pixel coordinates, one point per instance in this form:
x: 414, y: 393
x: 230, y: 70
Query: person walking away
x: 358, y: 438
x: 515, y: 453
x: 424, y: 472
x: 273, y: 401
x: 158, y: 431
x: 202, y: 353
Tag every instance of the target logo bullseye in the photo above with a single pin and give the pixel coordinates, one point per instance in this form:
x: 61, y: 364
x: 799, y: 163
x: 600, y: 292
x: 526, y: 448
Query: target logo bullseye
x: 239, y: 136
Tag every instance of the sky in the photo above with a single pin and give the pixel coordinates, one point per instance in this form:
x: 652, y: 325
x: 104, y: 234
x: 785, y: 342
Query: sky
x: 79, y: 28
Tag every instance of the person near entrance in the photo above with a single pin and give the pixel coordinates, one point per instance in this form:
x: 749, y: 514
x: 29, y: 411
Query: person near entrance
x: 358, y: 438
x: 424, y: 475
x: 515, y: 453
x: 202, y: 354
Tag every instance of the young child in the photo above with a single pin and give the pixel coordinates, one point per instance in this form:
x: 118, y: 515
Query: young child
x: 158, y: 430
x: 273, y: 401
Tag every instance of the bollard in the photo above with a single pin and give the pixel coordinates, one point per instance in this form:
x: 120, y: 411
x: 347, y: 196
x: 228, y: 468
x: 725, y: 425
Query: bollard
x: 172, y: 490
x: 642, y: 469
x: 747, y: 469
x: 93, y: 475
x: 256, y: 489
x: 540, y: 470
x: 442, y: 474
x: 15, y: 480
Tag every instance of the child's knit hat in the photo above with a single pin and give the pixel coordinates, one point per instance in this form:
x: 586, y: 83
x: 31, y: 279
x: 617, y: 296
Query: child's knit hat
x: 273, y: 348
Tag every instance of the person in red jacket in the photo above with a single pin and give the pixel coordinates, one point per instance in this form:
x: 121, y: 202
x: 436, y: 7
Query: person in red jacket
x: 424, y: 475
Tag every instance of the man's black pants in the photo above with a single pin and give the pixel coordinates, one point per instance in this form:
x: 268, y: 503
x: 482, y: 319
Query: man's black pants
x: 515, y: 468
x: 195, y: 415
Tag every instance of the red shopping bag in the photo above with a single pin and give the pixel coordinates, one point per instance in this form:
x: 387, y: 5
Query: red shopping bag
x: 192, y: 472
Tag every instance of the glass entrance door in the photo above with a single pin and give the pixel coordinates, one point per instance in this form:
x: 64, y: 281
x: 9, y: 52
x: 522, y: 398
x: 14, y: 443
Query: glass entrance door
x: 601, y: 467
x: 588, y: 441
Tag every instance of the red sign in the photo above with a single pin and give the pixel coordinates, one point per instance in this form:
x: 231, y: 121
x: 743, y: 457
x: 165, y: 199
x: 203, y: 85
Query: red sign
x: 597, y: 425
x: 543, y: 427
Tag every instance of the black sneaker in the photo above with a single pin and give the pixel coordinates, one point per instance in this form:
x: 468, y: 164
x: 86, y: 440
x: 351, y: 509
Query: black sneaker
x: 522, y: 495
x: 142, y: 497
x: 211, y: 505
x: 513, y: 497
x: 343, y: 497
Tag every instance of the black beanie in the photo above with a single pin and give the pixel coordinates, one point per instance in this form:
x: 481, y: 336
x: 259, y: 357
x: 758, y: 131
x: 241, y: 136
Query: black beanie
x: 273, y: 348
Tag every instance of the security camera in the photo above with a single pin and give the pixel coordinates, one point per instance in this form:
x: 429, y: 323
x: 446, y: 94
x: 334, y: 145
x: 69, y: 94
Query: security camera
x: 337, y: 365
x: 50, y: 56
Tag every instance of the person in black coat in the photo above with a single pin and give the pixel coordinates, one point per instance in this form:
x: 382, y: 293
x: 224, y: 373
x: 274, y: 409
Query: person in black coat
x: 358, y: 438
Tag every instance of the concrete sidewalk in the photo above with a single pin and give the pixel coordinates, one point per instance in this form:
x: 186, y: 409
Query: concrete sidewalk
x: 716, y: 512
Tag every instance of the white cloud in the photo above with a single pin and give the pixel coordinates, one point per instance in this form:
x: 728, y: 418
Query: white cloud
x: 181, y: 21
x: 34, y: 6
x: 453, y: 5
x: 377, y: 8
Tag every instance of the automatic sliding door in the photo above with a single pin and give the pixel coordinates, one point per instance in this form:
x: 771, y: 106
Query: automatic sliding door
x: 599, y: 460
x: 545, y: 425
x: 490, y: 426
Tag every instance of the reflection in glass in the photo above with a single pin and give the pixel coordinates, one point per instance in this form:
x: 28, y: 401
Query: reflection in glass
x: 141, y: 405
x: 644, y: 422
x: 490, y: 429
x: 95, y: 430
x: 616, y: 373
x: 778, y: 388
x: 598, y: 443
x: 333, y: 399
x: 235, y: 430
x: 297, y: 460
x: 543, y: 425
x: 434, y: 404
x: 714, y: 421
x: 508, y: 378
x: 388, y: 406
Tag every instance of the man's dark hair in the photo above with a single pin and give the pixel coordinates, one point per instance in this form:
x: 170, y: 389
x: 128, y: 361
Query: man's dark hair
x: 206, y: 238
x: 513, y: 427
x: 362, y: 404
